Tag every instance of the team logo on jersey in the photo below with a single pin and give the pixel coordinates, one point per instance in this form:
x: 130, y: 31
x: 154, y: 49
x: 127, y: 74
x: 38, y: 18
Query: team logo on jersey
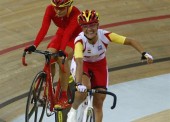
x: 99, y: 47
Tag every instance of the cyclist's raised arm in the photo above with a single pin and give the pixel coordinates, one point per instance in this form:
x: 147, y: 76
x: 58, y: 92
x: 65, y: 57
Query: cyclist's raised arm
x: 135, y: 44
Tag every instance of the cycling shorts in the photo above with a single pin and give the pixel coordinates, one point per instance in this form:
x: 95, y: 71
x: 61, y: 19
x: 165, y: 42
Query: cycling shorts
x: 57, y: 43
x: 97, y: 71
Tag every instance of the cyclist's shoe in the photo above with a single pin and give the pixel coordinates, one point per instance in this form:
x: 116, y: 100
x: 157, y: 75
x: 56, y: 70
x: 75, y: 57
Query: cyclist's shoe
x: 62, y: 104
x: 71, y: 116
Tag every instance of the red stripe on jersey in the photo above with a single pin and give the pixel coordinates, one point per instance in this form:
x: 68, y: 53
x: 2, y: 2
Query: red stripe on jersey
x: 107, y: 36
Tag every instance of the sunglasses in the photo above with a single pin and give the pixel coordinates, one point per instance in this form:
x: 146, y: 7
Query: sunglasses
x: 93, y: 25
x: 60, y: 8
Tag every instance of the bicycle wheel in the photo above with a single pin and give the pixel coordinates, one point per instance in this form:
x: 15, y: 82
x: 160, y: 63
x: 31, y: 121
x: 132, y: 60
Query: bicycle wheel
x: 36, y: 105
x: 89, y: 115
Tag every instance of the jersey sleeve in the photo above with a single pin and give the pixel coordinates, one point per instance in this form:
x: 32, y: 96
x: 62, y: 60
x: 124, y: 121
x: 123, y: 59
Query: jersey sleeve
x: 108, y: 37
x: 78, y: 50
x: 44, y: 27
x: 113, y: 37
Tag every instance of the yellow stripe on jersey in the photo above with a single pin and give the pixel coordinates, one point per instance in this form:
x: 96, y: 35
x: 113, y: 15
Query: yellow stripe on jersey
x: 69, y: 11
x: 78, y: 50
x: 117, y: 38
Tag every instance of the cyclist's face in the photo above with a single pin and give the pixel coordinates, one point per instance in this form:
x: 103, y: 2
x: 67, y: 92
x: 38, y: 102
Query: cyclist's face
x: 60, y: 11
x: 90, y: 30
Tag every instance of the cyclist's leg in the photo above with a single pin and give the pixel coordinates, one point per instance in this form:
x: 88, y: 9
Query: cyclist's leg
x: 99, y: 82
x: 79, y: 98
x: 53, y: 70
x: 64, y: 76
x: 98, y: 105
x: 53, y: 47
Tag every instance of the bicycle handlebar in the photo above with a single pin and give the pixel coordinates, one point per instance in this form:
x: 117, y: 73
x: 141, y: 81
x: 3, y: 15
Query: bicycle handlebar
x: 92, y: 91
x: 45, y: 53
x: 109, y: 93
x: 23, y: 58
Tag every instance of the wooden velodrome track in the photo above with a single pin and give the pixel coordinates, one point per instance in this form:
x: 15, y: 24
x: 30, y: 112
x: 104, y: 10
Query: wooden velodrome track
x: 147, y: 21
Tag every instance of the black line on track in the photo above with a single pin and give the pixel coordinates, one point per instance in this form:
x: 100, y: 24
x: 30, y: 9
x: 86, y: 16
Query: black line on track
x: 10, y: 101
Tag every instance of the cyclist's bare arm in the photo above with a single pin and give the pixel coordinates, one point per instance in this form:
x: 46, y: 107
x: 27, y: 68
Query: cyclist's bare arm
x: 135, y: 44
x: 79, y: 69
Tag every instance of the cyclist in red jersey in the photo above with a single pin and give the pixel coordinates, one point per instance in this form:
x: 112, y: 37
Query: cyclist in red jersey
x: 64, y: 16
x: 89, y: 67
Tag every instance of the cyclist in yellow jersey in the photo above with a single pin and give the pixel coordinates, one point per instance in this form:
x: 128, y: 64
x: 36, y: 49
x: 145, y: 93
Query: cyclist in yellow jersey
x: 89, y: 67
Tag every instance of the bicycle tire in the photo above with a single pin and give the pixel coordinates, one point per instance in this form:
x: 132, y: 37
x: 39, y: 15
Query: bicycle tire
x: 33, y: 100
x: 89, y: 115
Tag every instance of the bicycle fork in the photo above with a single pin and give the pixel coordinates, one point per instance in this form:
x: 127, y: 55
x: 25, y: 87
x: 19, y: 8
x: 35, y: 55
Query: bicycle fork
x: 89, y: 105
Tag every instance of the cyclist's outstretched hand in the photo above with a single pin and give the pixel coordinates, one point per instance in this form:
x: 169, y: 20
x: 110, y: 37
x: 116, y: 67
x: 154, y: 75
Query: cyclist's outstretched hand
x: 148, y: 57
x: 80, y: 87
x: 30, y: 49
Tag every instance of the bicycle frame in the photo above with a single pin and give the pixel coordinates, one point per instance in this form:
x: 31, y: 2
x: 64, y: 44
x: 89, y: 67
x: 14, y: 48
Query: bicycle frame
x: 87, y: 103
x: 83, y: 108
x: 49, y: 93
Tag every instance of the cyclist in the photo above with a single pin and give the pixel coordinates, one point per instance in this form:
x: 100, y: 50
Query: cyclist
x: 64, y: 16
x: 90, y: 59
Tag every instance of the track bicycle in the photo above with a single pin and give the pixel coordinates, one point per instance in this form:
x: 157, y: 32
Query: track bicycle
x: 42, y: 96
x: 85, y: 111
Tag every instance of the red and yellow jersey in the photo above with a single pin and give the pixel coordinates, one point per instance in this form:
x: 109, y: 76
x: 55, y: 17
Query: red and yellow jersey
x: 68, y: 26
x: 92, y: 53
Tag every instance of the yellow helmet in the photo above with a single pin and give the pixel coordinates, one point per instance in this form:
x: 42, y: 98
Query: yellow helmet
x: 88, y: 17
x: 61, y: 3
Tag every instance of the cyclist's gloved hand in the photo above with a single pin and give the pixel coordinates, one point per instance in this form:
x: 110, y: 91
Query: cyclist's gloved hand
x: 62, y: 53
x: 80, y: 87
x: 30, y: 49
x: 147, y: 56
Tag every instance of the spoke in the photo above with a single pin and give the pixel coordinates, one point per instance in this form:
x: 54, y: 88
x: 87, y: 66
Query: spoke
x: 32, y: 111
x: 36, y: 113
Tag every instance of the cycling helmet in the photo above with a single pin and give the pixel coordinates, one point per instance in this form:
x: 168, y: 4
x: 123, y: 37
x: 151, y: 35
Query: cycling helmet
x: 61, y: 3
x: 88, y: 17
